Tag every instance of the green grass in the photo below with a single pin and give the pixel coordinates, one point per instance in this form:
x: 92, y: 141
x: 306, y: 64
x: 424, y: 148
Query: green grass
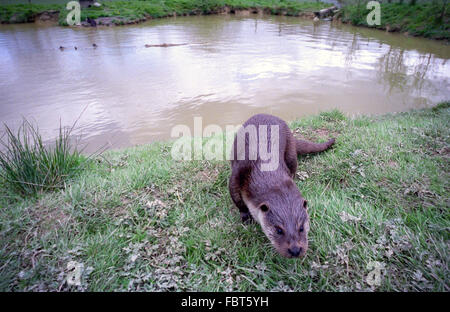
x: 24, y: 13
x: 138, y: 220
x: 134, y: 10
x: 422, y: 19
x: 29, y: 166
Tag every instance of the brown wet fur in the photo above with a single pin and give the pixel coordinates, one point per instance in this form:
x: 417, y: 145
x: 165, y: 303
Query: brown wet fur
x: 277, y: 202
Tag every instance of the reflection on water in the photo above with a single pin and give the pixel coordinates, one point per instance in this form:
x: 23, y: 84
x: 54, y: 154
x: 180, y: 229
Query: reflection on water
x: 230, y: 69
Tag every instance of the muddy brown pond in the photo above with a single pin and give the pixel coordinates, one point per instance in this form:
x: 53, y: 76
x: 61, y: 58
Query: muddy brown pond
x: 228, y: 69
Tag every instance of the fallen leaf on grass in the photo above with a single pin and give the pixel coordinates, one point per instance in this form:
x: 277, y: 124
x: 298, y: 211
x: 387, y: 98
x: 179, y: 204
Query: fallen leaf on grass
x: 76, y: 272
x: 302, y: 175
x: 345, y: 217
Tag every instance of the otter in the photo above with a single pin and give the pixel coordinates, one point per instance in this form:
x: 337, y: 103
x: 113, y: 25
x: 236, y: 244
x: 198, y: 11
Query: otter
x: 271, y: 197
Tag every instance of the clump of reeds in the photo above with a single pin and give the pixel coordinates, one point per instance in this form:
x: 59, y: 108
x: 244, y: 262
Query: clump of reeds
x: 29, y: 166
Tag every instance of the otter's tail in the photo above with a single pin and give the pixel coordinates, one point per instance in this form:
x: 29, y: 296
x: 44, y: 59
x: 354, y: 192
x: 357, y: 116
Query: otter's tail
x: 306, y: 147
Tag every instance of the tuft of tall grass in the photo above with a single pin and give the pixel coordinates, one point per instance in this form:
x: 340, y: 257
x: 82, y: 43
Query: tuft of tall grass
x: 29, y: 166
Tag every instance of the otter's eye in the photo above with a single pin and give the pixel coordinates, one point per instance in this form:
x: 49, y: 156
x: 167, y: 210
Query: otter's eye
x: 279, y: 231
x: 264, y: 208
x: 301, y: 229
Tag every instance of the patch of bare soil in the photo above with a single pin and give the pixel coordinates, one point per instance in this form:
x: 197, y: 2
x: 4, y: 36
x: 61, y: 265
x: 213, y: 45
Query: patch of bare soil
x: 47, y: 17
x: 207, y: 175
x: 48, y: 218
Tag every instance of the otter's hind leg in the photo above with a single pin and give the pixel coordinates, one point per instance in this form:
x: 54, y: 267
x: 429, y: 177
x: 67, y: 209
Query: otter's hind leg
x: 235, y: 192
x: 290, y: 155
x: 307, y: 147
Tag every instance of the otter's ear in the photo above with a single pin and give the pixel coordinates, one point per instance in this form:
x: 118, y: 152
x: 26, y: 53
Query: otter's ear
x: 305, y: 204
x: 264, y: 208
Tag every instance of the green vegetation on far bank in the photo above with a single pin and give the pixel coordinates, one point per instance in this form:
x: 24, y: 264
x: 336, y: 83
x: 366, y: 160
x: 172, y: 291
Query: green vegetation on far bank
x: 136, y: 219
x: 25, y: 13
x: 430, y: 19
x: 136, y: 10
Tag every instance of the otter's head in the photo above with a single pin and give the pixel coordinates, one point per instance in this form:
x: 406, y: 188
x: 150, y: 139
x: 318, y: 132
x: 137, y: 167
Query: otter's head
x: 283, y: 216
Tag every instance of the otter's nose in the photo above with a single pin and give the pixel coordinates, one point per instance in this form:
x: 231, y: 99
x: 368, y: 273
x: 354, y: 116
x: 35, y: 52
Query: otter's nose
x: 295, y: 252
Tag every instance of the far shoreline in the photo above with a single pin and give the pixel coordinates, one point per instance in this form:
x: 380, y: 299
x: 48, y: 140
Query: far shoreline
x: 134, y: 12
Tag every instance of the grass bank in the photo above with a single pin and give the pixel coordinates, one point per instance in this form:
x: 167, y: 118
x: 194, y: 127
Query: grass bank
x: 132, y: 11
x: 25, y: 13
x: 430, y: 19
x: 137, y: 220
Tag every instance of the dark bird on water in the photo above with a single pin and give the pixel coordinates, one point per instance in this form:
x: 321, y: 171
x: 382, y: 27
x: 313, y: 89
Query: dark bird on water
x: 61, y: 48
x: 75, y: 48
x: 92, y: 22
x: 94, y: 45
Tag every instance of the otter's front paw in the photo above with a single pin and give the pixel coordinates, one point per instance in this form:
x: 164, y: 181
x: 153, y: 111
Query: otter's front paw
x: 246, y: 217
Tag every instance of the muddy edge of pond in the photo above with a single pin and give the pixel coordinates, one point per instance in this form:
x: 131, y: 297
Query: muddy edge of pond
x: 332, y: 14
x: 117, y: 20
x: 53, y: 16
